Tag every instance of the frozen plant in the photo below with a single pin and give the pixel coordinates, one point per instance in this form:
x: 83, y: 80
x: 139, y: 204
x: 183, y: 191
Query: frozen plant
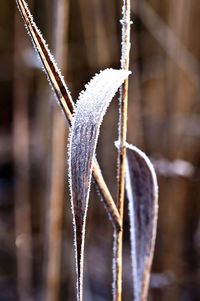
x: 134, y: 168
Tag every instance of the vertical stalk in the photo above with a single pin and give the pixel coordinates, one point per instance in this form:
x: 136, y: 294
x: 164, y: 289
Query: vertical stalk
x: 23, y: 237
x: 118, y: 235
x: 60, y: 23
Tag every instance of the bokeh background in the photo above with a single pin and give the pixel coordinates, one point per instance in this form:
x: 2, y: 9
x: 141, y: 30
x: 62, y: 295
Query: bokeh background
x: 36, y: 232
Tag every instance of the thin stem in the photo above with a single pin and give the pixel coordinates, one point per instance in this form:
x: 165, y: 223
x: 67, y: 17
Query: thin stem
x: 118, y: 237
x: 57, y: 181
x: 64, y: 99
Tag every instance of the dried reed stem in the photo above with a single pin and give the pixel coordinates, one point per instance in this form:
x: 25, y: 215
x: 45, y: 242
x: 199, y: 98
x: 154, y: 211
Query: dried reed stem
x: 57, y: 181
x: 55, y: 214
x: 118, y: 237
x: 64, y: 99
x: 23, y: 239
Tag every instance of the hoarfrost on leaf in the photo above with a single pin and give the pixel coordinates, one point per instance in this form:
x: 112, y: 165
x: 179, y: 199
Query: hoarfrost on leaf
x: 90, y: 109
x: 142, y: 195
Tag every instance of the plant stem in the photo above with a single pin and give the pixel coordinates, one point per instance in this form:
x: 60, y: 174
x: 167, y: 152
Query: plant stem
x: 57, y: 181
x: 118, y: 237
x: 65, y: 100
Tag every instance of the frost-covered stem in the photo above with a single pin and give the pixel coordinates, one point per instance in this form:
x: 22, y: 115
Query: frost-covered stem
x: 118, y: 237
x: 64, y: 99
x: 52, y: 71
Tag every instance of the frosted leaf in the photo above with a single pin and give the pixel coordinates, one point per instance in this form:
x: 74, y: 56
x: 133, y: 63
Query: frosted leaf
x: 91, y: 107
x: 142, y: 194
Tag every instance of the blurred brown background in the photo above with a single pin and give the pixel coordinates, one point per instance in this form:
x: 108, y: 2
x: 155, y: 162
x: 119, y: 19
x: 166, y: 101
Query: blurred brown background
x: 36, y: 235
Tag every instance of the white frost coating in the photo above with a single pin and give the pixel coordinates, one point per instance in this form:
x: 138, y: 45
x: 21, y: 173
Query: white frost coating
x: 90, y: 109
x: 93, y: 102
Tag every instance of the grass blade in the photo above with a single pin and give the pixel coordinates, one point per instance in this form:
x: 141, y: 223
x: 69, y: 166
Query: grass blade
x: 142, y: 193
x: 91, y: 107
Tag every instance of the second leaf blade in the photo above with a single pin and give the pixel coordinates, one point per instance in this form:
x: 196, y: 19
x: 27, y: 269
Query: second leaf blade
x: 142, y: 194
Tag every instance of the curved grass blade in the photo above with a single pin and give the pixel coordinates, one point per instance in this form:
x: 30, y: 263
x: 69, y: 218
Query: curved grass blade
x: 142, y: 194
x: 91, y: 107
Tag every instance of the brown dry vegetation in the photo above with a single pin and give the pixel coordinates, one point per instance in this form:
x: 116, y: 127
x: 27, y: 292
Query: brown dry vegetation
x: 163, y: 120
